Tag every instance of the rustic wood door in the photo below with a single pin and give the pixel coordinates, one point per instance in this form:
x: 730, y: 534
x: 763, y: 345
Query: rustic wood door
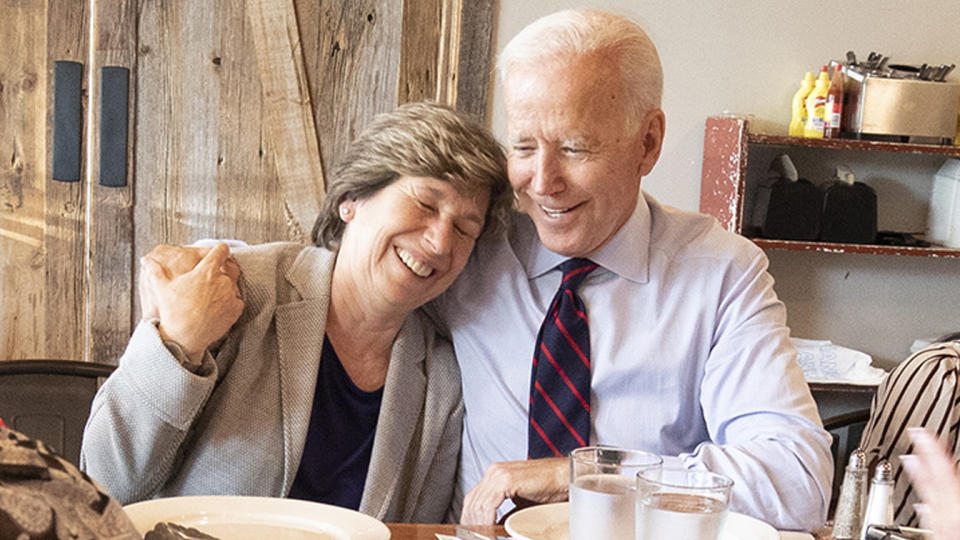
x: 216, y: 140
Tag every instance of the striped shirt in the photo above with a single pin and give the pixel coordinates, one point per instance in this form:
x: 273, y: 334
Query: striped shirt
x: 923, y: 391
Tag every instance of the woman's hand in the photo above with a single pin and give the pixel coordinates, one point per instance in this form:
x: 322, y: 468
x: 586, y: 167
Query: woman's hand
x: 195, y: 307
x: 934, y: 475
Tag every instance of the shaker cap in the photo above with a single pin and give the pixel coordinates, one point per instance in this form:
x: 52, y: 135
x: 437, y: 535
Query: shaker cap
x: 883, y: 472
x: 857, y: 460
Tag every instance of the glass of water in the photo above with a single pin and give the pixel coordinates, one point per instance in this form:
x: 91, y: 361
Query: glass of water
x: 602, y: 488
x: 681, y: 504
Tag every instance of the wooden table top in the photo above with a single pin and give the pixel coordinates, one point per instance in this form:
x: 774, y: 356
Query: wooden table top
x: 419, y: 531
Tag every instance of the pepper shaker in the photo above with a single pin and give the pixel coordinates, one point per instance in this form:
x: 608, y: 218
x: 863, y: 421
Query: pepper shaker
x: 848, y: 519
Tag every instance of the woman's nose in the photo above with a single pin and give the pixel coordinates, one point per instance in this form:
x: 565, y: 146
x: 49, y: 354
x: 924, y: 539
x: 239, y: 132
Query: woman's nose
x: 438, y: 236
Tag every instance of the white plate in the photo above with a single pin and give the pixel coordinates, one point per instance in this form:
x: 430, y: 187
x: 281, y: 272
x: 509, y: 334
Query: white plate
x: 256, y: 518
x: 552, y: 522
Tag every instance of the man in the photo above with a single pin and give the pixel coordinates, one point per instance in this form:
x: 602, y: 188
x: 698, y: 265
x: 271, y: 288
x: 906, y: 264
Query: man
x: 689, y: 354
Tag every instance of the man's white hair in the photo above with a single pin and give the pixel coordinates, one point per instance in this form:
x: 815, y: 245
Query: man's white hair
x: 575, y: 32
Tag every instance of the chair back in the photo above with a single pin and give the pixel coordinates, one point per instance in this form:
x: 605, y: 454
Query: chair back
x: 50, y: 400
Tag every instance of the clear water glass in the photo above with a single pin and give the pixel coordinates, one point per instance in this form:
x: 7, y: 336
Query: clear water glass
x: 602, y: 491
x: 681, y: 504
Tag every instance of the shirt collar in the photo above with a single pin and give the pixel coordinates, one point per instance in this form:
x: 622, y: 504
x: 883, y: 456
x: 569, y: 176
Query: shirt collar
x: 627, y: 255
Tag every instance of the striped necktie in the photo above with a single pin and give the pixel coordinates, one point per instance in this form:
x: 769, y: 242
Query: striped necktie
x: 560, y: 383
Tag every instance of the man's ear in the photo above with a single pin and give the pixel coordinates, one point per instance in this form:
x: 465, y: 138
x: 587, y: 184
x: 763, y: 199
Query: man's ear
x: 650, y: 139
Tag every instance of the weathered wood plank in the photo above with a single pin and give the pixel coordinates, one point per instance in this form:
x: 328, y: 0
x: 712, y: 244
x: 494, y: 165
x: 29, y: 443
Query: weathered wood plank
x: 250, y: 202
x: 357, y: 56
x: 65, y: 206
x: 110, y: 251
x: 288, y: 118
x: 420, y: 52
x: 23, y: 82
x: 202, y: 166
x: 474, y: 61
x: 177, y: 124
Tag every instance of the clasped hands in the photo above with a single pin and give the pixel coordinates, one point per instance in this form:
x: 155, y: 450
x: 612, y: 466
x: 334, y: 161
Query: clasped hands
x: 193, y: 293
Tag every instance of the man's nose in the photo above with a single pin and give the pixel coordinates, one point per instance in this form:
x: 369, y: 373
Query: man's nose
x: 438, y: 236
x: 547, y: 178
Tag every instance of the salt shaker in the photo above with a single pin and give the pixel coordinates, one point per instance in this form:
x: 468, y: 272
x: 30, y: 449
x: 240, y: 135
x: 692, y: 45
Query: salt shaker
x: 848, y: 519
x: 880, y: 502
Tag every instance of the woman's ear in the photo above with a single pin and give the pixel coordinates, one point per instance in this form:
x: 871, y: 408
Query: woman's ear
x: 347, y: 209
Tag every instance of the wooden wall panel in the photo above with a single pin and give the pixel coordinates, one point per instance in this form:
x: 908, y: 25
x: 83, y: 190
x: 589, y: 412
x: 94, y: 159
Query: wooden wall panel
x: 202, y: 166
x: 475, y: 61
x: 420, y: 57
x: 352, y: 56
x: 287, y: 114
x: 249, y: 201
x: 177, y: 123
x: 64, y: 289
x: 23, y: 82
x: 110, y: 217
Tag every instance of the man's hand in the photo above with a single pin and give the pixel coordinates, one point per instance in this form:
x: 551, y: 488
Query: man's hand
x: 176, y: 260
x: 538, y: 480
x: 195, y: 308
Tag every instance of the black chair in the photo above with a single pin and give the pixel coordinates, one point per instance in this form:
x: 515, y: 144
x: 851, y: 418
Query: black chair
x: 846, y: 429
x: 50, y: 400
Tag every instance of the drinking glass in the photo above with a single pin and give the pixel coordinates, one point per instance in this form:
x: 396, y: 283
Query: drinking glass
x: 681, y: 504
x: 602, y: 488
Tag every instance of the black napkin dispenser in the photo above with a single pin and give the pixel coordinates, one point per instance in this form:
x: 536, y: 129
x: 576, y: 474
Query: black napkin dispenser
x: 787, y: 210
x: 849, y: 213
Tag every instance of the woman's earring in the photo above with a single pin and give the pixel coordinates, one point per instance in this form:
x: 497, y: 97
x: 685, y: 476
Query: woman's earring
x: 345, y: 212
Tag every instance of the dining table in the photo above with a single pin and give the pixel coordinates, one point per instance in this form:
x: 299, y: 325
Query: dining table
x: 429, y: 531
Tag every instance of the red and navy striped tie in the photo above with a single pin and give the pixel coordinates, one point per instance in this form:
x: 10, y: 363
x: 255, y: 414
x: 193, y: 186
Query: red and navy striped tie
x: 560, y: 383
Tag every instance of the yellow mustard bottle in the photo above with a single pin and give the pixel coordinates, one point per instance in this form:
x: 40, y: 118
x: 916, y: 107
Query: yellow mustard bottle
x: 798, y: 106
x: 817, y: 106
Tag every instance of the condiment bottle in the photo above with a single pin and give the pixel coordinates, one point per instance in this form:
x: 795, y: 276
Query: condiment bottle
x: 817, y: 106
x: 834, y: 107
x: 848, y: 519
x: 880, y: 502
x: 798, y: 107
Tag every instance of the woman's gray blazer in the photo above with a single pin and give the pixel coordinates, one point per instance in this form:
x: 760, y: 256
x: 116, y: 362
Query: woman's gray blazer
x: 238, y: 427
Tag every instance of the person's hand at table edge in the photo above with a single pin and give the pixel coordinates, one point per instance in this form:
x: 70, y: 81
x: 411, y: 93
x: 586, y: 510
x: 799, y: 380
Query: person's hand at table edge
x: 537, y: 480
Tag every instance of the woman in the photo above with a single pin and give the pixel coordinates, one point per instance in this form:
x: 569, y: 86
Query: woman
x: 921, y: 392
x: 331, y: 385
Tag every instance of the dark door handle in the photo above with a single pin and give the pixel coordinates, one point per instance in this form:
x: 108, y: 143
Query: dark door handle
x: 67, y: 120
x: 114, y: 99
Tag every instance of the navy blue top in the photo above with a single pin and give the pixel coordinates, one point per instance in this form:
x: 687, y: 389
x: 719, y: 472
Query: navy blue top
x: 343, y: 421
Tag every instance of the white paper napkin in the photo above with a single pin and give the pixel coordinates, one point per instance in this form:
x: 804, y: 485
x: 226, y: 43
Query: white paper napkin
x: 825, y: 362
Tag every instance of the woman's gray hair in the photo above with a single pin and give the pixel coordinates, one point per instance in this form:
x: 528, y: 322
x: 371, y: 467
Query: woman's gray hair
x: 575, y: 32
x: 417, y: 139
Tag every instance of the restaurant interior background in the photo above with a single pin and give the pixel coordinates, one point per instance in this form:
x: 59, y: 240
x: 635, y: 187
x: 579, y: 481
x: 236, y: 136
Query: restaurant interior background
x: 747, y: 57
x: 202, y: 161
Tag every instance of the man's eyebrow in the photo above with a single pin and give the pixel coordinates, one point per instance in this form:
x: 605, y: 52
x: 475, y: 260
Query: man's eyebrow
x: 514, y: 139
